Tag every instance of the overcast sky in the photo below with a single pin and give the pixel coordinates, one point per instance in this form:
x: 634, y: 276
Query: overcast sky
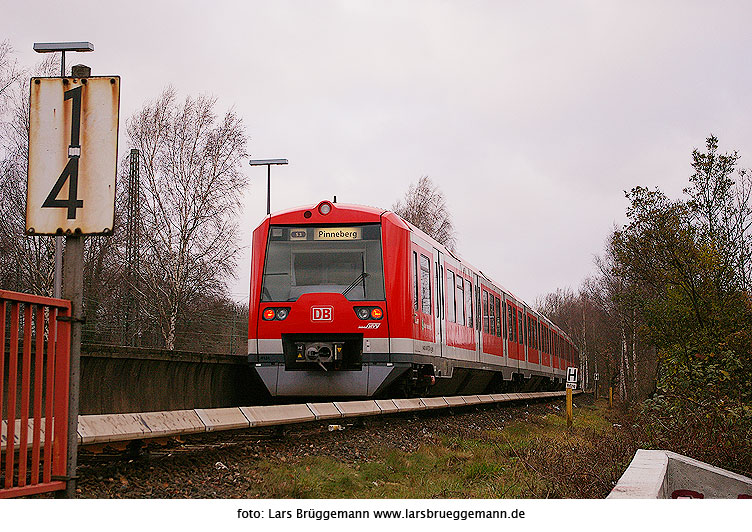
x: 532, y: 117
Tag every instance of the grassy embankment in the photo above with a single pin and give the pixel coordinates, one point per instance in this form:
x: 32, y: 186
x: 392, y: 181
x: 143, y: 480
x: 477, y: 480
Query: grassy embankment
x: 537, y: 458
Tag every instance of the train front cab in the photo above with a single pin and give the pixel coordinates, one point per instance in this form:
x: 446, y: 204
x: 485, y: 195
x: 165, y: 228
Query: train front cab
x: 325, y: 294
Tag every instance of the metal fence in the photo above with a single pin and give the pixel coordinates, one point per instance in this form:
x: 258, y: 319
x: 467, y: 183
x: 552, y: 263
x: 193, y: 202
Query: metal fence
x: 34, y: 375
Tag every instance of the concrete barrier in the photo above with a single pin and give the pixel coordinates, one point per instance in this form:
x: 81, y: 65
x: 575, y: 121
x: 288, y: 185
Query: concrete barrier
x: 358, y: 408
x: 112, y: 427
x: 222, y: 418
x: 667, y: 475
x: 324, y: 410
x: 471, y: 399
x: 434, y: 402
x: 172, y: 423
x: 260, y: 416
x: 387, y: 406
x: 500, y: 397
x: 154, y: 380
x: 409, y: 405
x: 455, y: 400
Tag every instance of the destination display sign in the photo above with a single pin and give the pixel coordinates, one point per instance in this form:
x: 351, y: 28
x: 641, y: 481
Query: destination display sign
x: 337, y: 233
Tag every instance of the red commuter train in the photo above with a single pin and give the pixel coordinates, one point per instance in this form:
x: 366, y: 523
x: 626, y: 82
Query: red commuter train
x: 348, y: 300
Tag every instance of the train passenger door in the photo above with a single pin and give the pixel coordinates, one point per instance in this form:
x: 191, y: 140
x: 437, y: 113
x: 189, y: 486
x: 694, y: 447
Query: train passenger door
x: 423, y: 320
x: 438, y: 275
x: 478, y: 317
x: 513, y: 333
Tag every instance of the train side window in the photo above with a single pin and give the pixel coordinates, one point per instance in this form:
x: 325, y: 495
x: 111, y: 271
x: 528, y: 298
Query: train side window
x: 469, y: 302
x: 439, y: 290
x: 516, y: 328
x: 510, y: 323
x: 425, y: 284
x: 485, y: 312
x: 520, y: 327
x: 491, y: 317
x: 531, y: 325
x: 460, y: 300
x: 450, y: 305
x: 498, y: 317
x: 504, y: 314
x: 478, y: 312
x: 415, y: 280
x: 533, y: 335
x: 527, y: 331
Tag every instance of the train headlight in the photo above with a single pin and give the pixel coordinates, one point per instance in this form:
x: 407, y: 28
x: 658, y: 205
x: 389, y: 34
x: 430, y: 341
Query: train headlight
x: 369, y: 313
x: 325, y: 208
x: 276, y: 313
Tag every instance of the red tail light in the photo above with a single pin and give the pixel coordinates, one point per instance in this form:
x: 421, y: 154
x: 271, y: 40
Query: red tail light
x: 276, y: 313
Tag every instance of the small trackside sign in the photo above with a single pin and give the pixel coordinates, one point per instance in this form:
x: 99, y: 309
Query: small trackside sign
x: 572, y: 377
x: 321, y: 313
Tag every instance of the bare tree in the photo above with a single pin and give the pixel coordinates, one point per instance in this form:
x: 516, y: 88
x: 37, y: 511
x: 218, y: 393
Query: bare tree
x: 25, y: 262
x: 10, y: 73
x: 191, y: 183
x: 424, y: 206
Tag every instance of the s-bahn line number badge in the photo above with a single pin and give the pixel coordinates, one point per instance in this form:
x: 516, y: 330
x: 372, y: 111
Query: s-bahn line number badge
x: 73, y: 128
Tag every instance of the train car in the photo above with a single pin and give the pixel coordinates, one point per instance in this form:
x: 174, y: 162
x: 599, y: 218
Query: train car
x: 348, y: 300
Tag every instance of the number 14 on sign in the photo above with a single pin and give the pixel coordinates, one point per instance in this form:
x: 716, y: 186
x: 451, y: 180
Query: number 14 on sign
x: 73, y: 133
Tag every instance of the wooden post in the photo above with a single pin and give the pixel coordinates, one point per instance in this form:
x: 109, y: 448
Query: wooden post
x: 569, y: 407
x: 610, y: 396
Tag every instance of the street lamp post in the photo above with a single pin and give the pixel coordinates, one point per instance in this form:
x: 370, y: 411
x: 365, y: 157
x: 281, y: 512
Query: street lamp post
x: 43, y: 48
x: 268, y: 163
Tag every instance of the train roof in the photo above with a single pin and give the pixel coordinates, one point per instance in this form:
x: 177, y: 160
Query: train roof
x: 366, y: 213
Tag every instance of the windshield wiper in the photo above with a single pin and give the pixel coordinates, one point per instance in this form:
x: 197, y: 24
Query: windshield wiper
x: 361, y: 277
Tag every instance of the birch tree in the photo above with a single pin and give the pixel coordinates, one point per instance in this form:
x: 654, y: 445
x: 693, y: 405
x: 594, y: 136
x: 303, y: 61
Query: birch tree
x: 191, y: 188
x: 425, y: 207
x: 26, y: 263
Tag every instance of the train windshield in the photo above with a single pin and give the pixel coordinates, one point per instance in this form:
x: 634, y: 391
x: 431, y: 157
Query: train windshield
x: 304, y: 260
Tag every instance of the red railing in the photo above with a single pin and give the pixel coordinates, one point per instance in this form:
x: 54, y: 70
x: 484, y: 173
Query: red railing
x: 34, y: 404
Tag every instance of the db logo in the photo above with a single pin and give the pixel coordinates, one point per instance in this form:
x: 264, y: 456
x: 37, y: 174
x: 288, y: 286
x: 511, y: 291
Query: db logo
x: 321, y: 313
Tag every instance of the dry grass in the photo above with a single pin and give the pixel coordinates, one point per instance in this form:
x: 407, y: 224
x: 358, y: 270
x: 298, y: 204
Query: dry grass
x: 538, y: 458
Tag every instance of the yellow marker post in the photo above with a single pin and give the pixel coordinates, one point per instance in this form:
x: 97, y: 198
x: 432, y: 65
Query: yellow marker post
x: 610, y: 396
x: 569, y: 407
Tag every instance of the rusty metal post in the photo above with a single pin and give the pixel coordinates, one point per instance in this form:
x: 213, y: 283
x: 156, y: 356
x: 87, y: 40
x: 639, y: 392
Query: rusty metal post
x: 73, y: 274
x: 569, y: 407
